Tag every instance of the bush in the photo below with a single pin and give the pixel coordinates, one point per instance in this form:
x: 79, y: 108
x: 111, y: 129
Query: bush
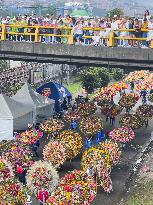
x: 117, y: 74
x: 93, y: 78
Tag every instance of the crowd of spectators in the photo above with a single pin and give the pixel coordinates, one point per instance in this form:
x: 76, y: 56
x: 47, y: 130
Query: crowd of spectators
x: 118, y: 24
x: 12, y: 78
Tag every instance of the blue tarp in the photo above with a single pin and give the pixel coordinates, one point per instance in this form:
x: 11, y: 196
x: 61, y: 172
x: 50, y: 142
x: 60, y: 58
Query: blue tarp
x: 55, y: 91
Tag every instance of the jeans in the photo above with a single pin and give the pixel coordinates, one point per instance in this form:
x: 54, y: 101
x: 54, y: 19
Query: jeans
x: 144, y: 35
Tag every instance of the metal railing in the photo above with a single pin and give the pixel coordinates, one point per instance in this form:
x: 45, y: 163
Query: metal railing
x: 50, y: 34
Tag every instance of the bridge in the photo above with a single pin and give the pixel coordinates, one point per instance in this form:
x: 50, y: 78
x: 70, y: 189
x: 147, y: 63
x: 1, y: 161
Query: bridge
x: 77, y: 54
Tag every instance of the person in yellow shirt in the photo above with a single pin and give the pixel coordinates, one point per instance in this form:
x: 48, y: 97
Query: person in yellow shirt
x: 24, y: 22
x: 144, y: 33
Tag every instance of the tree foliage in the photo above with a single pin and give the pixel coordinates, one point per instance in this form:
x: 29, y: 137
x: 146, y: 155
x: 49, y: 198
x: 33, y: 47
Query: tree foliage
x: 93, y: 78
x: 116, y: 11
x: 3, y: 64
x: 117, y: 74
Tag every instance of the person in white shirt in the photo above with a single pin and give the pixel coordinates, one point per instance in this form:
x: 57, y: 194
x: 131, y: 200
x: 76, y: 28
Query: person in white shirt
x: 150, y: 28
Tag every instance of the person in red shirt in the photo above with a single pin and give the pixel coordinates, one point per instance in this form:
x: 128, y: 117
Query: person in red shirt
x: 42, y: 196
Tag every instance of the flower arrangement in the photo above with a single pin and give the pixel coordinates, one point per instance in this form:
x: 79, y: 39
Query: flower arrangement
x: 133, y: 121
x: 29, y: 136
x: 18, y: 153
x: 72, y: 116
x: 52, y: 125
x: 6, y: 171
x: 99, y: 162
x: 105, y: 94
x: 112, y: 148
x: 54, y: 152
x: 145, y: 111
x: 122, y: 135
x: 91, y: 125
x: 103, y: 100
x: 111, y: 110
x: 86, y: 109
x: 74, y: 188
x: 12, y: 192
x: 72, y: 142
x: 150, y: 97
x: 42, y: 176
x: 128, y: 100
x: 137, y: 75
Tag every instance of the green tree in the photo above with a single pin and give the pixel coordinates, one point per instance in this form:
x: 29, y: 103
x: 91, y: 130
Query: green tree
x: 117, y: 74
x: 116, y: 11
x: 3, y: 64
x: 89, y: 80
x: 103, y: 76
x: 93, y: 78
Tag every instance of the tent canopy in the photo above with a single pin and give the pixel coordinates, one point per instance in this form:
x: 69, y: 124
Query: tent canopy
x: 11, y: 109
x: 79, y: 13
x: 55, y: 91
x: 28, y: 96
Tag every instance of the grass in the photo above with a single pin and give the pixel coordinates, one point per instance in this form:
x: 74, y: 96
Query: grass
x: 74, y: 87
x: 143, y: 195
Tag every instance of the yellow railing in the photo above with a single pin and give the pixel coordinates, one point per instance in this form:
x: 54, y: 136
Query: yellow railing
x: 36, y: 33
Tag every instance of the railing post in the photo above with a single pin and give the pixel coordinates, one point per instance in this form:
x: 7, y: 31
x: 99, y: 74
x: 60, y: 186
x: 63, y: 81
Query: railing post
x: 37, y: 34
x: 71, y: 38
x: 111, y: 39
x: 3, y: 38
x: 151, y: 43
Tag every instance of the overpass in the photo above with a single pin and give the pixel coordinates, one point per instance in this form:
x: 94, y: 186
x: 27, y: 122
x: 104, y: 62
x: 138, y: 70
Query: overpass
x: 77, y: 54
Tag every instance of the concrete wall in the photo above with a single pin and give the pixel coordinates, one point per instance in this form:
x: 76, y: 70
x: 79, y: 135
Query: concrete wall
x: 70, y: 53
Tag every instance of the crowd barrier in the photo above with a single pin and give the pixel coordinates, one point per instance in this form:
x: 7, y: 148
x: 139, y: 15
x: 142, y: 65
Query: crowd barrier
x: 49, y: 34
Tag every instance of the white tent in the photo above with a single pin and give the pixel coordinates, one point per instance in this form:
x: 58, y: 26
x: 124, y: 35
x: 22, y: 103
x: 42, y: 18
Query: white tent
x: 41, y: 106
x: 13, y: 116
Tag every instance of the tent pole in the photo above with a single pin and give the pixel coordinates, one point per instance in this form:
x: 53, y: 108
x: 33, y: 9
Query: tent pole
x: 62, y: 74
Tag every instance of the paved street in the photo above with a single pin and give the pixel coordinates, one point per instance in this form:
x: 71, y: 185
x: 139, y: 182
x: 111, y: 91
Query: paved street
x: 120, y: 173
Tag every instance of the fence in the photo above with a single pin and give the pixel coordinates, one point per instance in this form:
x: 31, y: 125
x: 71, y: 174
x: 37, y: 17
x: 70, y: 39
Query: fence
x: 49, y: 34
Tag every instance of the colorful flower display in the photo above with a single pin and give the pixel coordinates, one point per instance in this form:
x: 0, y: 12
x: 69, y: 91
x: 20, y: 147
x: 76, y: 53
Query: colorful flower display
x: 52, y: 125
x: 74, y: 188
x: 150, y: 97
x: 137, y: 75
x: 122, y: 135
x: 6, y: 171
x: 133, y: 121
x: 128, y: 100
x: 18, y: 153
x: 42, y: 176
x: 30, y: 136
x: 91, y: 125
x: 112, y: 148
x: 145, y: 111
x: 72, y: 143
x: 72, y: 116
x: 110, y: 110
x: 106, y: 93
x: 54, y: 152
x: 103, y: 100
x: 99, y: 162
x: 12, y: 193
x: 86, y: 109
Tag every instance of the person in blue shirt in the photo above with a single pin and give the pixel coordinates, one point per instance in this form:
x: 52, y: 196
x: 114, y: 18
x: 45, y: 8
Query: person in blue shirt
x: 74, y: 125
x: 88, y: 143
x: 100, y: 136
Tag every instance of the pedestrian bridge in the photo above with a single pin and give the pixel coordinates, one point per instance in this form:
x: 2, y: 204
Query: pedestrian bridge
x: 77, y: 54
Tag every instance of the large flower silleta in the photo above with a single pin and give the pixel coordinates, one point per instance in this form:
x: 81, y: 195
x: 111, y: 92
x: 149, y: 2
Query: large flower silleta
x: 74, y: 188
x: 52, y: 126
x: 54, y: 152
x: 42, y: 176
x: 91, y: 125
x: 122, y: 135
x: 132, y: 121
x: 72, y: 143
